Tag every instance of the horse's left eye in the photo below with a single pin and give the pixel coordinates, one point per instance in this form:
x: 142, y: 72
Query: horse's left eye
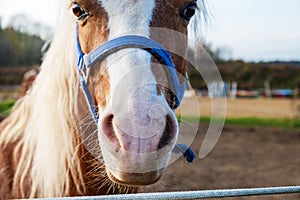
x: 78, y: 11
x: 189, y: 11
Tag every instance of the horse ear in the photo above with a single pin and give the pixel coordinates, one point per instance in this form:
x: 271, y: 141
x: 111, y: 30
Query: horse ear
x: 28, y: 80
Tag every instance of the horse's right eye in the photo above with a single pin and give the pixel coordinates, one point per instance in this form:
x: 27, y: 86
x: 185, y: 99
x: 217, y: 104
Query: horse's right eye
x: 79, y: 12
x: 188, y: 11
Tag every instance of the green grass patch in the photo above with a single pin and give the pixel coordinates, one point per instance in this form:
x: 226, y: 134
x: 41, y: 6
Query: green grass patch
x: 250, y: 121
x: 265, y: 122
x: 6, y: 106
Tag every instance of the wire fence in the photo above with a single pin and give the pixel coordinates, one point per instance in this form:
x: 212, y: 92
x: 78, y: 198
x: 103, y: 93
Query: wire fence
x: 205, y: 194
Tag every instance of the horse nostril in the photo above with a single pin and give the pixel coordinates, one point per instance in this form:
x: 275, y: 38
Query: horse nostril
x: 168, y: 134
x: 108, y: 129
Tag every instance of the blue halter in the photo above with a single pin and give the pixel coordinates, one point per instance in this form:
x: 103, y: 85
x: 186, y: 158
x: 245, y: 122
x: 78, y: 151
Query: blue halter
x: 85, y: 61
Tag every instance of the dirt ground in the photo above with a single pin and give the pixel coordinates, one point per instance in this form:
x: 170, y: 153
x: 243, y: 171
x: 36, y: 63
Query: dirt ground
x: 265, y: 108
x: 243, y: 157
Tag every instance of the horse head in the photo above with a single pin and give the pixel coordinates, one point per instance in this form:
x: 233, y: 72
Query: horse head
x: 132, y: 84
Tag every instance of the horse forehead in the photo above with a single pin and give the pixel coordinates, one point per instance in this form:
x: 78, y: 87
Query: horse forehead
x: 125, y: 5
x: 139, y: 10
x: 128, y: 16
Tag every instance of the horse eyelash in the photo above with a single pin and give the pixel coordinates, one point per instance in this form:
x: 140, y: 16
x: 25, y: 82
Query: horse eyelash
x: 71, y: 3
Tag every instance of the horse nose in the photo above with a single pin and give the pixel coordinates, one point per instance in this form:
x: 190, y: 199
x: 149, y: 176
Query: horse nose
x: 145, y: 128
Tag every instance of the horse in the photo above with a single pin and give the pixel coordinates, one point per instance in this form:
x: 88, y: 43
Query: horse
x: 99, y: 117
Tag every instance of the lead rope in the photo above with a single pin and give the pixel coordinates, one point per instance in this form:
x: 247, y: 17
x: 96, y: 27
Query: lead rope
x: 187, y: 152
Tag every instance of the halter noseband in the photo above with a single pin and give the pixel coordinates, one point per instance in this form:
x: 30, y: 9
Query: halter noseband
x: 85, y: 61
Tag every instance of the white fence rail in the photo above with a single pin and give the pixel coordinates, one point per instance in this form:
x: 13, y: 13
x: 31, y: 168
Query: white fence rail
x: 197, y: 194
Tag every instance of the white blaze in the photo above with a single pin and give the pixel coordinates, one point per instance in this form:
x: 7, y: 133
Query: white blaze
x: 129, y: 17
x: 139, y: 114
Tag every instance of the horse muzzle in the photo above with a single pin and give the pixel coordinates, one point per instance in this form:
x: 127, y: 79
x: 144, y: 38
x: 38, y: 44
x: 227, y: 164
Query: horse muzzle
x: 135, y: 179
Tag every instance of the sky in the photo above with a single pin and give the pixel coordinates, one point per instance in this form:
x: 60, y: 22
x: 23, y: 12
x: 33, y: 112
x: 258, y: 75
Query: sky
x: 256, y: 29
x: 252, y: 30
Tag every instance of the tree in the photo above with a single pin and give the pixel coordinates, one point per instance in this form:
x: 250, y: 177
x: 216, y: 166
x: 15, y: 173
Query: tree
x: 18, y: 48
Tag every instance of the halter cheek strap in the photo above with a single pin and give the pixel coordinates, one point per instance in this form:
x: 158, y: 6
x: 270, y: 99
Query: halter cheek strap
x: 85, y: 61
x: 82, y: 69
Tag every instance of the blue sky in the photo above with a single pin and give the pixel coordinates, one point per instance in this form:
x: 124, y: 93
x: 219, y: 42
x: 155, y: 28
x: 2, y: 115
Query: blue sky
x: 253, y: 30
x: 256, y: 29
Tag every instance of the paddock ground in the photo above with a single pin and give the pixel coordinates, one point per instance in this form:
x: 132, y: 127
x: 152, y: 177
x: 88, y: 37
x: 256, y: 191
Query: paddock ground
x: 9, y: 92
x: 243, y: 157
x: 235, y: 108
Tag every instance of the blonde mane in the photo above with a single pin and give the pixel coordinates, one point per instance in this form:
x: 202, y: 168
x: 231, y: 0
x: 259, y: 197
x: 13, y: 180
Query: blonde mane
x: 43, y: 123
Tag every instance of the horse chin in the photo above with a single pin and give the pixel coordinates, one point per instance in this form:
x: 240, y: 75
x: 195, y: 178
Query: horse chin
x: 134, y: 179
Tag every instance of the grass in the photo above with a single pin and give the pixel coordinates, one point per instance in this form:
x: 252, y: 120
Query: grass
x: 6, y: 106
x: 251, y: 121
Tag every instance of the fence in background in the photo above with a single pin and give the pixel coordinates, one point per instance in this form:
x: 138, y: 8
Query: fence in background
x: 197, y: 194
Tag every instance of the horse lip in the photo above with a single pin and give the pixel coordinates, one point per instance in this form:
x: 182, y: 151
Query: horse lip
x: 134, y: 179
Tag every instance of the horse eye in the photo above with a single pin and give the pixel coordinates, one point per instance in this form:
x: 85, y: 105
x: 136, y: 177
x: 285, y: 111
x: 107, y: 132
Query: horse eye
x: 189, y: 11
x: 78, y: 11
